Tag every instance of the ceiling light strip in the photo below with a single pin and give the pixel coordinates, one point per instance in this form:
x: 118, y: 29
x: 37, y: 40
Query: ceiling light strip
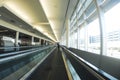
x: 51, y: 24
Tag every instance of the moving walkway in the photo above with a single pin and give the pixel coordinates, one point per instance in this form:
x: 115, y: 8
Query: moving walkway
x: 49, y: 63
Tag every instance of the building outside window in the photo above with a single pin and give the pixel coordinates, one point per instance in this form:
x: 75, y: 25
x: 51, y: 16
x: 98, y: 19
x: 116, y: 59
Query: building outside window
x: 112, y: 20
x: 93, y: 37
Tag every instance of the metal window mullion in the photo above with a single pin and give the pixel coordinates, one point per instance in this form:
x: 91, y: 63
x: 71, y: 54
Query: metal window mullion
x: 86, y: 36
x: 86, y: 8
x: 85, y: 33
x: 67, y: 33
x: 77, y: 28
x: 77, y: 35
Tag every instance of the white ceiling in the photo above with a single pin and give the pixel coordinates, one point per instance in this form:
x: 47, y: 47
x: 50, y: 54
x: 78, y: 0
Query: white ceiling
x: 47, y: 16
x: 55, y: 11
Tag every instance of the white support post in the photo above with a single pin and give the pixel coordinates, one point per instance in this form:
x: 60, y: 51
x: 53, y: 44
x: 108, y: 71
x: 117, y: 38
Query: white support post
x: 103, y: 35
x: 77, y: 37
x: 77, y: 31
x: 86, y: 36
x: 67, y: 32
x: 17, y: 38
x: 32, y: 42
x: 86, y: 33
x: 40, y: 41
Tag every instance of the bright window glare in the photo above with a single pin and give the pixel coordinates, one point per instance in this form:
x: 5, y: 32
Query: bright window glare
x: 94, y: 37
x: 112, y: 19
x: 93, y: 28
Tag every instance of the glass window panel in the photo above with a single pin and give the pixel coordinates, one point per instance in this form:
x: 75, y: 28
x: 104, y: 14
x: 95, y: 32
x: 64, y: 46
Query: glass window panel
x: 81, y: 19
x: 100, y: 1
x: 82, y: 1
x: 81, y: 40
x: 80, y: 13
x: 87, y: 2
x: 90, y: 9
x: 74, y: 39
x: 112, y: 19
x: 108, y: 4
x: 93, y: 37
x: 72, y: 45
x: 92, y: 17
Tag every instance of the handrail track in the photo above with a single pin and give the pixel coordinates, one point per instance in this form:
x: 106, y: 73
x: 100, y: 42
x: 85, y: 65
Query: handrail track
x: 100, y: 74
x: 15, y: 55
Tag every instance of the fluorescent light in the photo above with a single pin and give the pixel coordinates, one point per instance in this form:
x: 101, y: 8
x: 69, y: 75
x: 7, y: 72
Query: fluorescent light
x: 49, y: 15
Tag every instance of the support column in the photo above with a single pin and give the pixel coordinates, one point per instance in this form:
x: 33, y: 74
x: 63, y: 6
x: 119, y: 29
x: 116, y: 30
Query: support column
x: 32, y: 42
x: 85, y: 24
x: 17, y: 38
x: 103, y: 35
x: 44, y: 42
x: 40, y: 41
x: 67, y: 32
x: 77, y: 30
x: 86, y: 35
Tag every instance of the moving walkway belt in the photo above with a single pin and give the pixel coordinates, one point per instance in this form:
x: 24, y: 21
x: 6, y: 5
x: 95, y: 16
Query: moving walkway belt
x: 51, y: 69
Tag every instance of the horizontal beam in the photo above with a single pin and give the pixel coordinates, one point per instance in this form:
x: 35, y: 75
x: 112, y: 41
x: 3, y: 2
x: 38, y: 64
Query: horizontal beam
x: 15, y: 28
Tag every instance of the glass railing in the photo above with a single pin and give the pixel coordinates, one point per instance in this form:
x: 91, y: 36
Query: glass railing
x: 21, y: 62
